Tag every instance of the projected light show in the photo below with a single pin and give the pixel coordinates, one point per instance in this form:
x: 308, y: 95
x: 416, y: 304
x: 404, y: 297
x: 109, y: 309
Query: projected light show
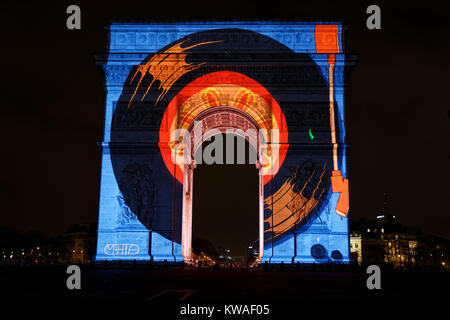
x: 172, y: 86
x: 225, y: 159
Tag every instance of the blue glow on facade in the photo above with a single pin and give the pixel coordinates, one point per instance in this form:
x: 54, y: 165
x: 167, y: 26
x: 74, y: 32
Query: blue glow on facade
x: 122, y: 236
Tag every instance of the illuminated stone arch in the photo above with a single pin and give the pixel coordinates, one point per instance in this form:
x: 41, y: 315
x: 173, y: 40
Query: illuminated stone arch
x: 232, y: 89
x: 220, y: 102
x: 146, y: 70
x: 214, y: 121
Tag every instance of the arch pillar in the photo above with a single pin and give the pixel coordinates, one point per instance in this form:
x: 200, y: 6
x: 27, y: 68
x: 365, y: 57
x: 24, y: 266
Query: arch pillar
x: 186, y: 232
x: 261, y: 210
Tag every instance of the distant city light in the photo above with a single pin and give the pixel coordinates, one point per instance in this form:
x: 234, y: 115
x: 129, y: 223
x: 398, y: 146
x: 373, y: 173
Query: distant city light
x: 380, y: 217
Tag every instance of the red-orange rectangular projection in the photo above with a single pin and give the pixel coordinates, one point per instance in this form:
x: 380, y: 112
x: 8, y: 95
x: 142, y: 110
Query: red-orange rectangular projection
x: 326, y: 38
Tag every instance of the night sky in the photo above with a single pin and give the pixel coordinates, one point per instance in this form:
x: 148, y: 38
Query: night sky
x: 53, y: 105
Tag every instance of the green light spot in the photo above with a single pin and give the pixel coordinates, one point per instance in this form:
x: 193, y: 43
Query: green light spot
x: 311, y: 135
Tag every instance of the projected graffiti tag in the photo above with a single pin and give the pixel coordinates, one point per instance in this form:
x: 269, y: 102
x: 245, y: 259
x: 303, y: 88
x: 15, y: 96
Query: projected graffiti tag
x: 116, y: 249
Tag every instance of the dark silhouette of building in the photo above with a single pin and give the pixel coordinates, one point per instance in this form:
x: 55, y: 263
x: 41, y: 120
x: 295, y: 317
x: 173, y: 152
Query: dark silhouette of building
x: 386, y: 241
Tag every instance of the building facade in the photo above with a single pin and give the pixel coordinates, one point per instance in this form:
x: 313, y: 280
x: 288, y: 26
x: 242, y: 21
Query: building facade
x: 385, y: 241
x: 356, y: 248
x: 284, y: 81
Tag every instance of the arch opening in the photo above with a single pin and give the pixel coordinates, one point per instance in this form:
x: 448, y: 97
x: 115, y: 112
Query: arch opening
x: 225, y: 210
x: 220, y: 121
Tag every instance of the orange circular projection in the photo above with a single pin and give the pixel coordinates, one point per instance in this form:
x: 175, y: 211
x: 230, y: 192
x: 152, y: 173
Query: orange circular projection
x: 231, y: 89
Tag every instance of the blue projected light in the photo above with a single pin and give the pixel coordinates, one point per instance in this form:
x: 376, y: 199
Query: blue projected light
x: 160, y: 78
